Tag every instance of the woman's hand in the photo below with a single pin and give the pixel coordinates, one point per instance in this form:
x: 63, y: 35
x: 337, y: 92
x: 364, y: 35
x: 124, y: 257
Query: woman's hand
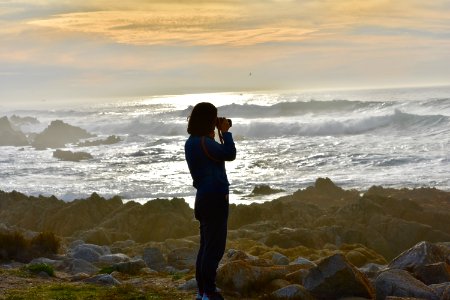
x: 223, y: 125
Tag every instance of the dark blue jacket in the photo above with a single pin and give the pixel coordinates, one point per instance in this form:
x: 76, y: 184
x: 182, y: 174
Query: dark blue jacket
x: 209, y: 176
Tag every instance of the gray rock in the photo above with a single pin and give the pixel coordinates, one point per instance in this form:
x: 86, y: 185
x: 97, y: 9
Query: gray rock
x: 401, y: 283
x: 111, y: 259
x: 442, y: 290
x: 372, y: 270
x: 423, y: 253
x: 189, y: 285
x: 335, y: 277
x: 154, y: 258
x: 279, y: 259
x: 182, y: 258
x: 76, y: 266
x: 292, y: 292
x: 433, y: 273
x: 131, y: 267
x: 303, y: 262
x: 103, y: 279
x: 298, y: 276
x: 90, y: 252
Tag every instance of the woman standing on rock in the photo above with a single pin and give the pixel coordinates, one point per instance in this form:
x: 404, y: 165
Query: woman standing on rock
x: 206, y: 161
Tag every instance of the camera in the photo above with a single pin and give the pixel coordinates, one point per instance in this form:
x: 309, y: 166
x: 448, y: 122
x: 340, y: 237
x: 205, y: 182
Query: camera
x: 223, y: 119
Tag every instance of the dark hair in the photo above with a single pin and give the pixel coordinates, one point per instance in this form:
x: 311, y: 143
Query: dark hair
x: 202, y: 119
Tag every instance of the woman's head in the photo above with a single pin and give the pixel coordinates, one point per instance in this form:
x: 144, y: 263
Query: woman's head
x: 202, y: 120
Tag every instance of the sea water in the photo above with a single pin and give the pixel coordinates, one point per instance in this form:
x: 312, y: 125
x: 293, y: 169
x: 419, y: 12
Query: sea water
x: 391, y: 137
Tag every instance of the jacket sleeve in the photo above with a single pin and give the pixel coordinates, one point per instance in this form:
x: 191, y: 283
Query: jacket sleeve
x: 225, y: 151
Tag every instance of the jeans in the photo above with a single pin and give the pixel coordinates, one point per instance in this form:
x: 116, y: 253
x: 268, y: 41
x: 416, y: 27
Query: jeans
x: 211, y: 210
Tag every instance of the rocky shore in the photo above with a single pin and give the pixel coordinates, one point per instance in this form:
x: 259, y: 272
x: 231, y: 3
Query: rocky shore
x: 321, y: 242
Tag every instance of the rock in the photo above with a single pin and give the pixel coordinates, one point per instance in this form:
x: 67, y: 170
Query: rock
x: 325, y: 193
x: 442, y: 290
x: 58, y: 134
x: 423, y: 253
x: 297, y: 277
x: 20, y: 121
x: 279, y: 259
x: 131, y: 267
x: 233, y: 255
x: 9, y: 136
x: 89, y: 252
x: 76, y: 266
x: 103, y: 279
x: 110, y: 259
x: 112, y: 139
x: 303, y: 262
x: 335, y: 277
x: 356, y: 258
x: 433, y: 273
x: 291, y: 292
x: 277, y: 284
x: 189, y: 285
x: 242, y: 277
x: 261, y: 190
x: 182, y: 258
x: 71, y: 156
x: 154, y: 259
x: 372, y: 270
x: 400, y: 283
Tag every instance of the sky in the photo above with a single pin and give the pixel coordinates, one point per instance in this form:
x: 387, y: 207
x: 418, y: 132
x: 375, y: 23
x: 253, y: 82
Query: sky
x: 63, y: 50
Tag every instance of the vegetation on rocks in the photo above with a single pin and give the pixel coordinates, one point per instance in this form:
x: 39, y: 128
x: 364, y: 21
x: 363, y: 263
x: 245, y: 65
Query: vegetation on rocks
x: 14, y: 246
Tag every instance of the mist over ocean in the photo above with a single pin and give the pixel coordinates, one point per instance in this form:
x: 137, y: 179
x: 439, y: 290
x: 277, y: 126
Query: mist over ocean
x: 392, y: 137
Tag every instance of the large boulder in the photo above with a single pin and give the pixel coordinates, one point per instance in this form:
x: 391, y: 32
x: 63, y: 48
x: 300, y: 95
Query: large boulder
x: 335, y: 277
x: 77, y: 266
x: 132, y: 267
x: 10, y: 136
x: 154, y: 258
x: 433, y: 273
x: 89, y: 252
x: 182, y: 258
x: 58, y: 134
x: 401, y: 283
x: 244, y: 278
x: 442, y: 290
x: 423, y: 253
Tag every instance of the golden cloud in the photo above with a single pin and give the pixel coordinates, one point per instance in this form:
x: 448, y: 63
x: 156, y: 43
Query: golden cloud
x: 204, y: 28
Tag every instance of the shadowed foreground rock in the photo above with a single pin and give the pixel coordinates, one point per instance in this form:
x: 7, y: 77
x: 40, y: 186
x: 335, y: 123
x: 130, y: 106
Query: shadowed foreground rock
x: 403, y: 284
x: 335, y: 277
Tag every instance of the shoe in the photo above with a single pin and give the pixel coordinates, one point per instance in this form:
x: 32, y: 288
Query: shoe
x: 199, y: 296
x: 213, y: 296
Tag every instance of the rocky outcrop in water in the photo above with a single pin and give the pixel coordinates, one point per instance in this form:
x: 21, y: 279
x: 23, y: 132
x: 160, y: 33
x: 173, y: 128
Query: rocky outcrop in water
x: 71, y: 156
x: 112, y: 139
x: 10, y: 136
x: 58, y: 134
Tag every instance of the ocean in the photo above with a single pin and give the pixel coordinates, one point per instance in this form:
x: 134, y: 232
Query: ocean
x: 389, y: 137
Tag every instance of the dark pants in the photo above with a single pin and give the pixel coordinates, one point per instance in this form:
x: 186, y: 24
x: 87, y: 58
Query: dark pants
x: 212, y: 212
